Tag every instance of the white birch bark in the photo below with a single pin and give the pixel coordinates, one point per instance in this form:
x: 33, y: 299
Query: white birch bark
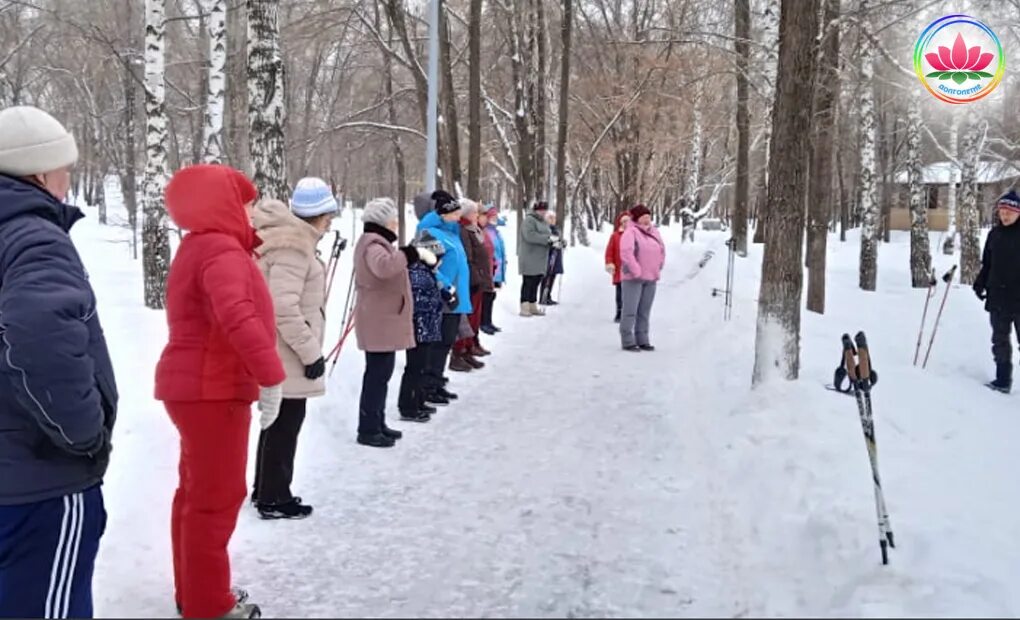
x: 970, y: 242
x: 693, y: 184
x: 920, y: 248
x: 267, y: 110
x: 770, y: 66
x: 949, y: 245
x: 155, y: 245
x: 216, y: 97
x: 869, y: 164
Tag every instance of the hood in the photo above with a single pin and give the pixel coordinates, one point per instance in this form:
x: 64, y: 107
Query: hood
x: 19, y: 198
x: 211, y: 198
x: 280, y: 229
x: 619, y: 219
x: 432, y: 220
x: 423, y: 204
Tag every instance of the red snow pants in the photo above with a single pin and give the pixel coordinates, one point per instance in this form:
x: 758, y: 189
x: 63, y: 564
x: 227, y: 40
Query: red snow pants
x: 475, y: 321
x: 212, y: 488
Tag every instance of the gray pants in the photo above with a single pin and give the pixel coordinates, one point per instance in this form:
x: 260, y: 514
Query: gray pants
x: 638, y: 296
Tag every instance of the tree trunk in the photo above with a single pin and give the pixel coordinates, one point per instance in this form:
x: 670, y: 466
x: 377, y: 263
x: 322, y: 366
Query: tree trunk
x: 452, y: 175
x: 970, y: 242
x: 539, y: 82
x: 238, y: 151
x: 155, y: 245
x: 128, y: 169
x: 212, y: 136
x: 562, y: 117
x: 920, y: 250
x: 777, y: 341
x: 398, y: 151
x: 868, y: 161
x: 692, y: 187
x: 475, y: 100
x: 820, y: 201
x: 949, y: 245
x: 770, y: 37
x: 525, y: 170
x: 741, y: 197
x: 267, y: 110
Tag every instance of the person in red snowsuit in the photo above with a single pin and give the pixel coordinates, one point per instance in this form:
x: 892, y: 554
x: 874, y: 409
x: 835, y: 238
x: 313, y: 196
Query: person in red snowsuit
x: 222, y: 349
x: 613, y: 262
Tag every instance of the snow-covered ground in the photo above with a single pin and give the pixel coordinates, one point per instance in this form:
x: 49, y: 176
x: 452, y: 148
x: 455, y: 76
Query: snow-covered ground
x: 573, y: 479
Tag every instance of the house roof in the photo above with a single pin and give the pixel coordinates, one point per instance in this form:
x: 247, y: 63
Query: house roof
x: 940, y: 172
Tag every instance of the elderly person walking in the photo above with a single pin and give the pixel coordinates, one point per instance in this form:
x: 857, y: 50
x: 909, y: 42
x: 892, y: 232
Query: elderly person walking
x: 535, y: 240
x: 383, y: 314
x: 642, y: 256
x: 554, y: 262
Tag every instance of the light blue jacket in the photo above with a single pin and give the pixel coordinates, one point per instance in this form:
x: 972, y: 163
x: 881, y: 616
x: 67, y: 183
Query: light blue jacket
x: 499, y: 255
x: 453, y: 268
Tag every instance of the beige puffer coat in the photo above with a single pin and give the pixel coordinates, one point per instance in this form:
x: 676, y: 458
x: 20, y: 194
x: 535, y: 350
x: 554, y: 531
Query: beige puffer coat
x: 297, y: 282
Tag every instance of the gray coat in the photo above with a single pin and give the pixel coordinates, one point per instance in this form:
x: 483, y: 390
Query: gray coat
x: 533, y: 255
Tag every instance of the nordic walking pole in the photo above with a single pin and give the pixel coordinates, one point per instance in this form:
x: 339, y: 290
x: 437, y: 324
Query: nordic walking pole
x: 948, y: 279
x: 932, y: 283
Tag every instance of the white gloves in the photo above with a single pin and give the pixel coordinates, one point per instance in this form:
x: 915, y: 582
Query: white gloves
x: 610, y: 267
x: 270, y: 399
x: 554, y: 239
x: 427, y: 256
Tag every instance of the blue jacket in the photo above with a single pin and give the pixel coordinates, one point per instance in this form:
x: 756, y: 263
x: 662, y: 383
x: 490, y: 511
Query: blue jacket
x: 58, y: 397
x: 428, y: 304
x: 500, y: 255
x: 453, y: 268
x: 555, y: 262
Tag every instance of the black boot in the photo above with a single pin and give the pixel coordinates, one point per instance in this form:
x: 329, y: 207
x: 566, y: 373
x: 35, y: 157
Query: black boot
x: 293, y: 509
x: 391, y: 433
x: 376, y: 441
x: 1003, y: 378
x: 447, y: 394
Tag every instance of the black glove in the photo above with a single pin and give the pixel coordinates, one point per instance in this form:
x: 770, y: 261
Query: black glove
x: 980, y: 292
x: 498, y: 285
x: 316, y: 369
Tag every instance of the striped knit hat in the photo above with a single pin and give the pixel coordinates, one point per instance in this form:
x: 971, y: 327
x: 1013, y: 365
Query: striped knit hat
x: 312, y: 197
x: 1010, y: 200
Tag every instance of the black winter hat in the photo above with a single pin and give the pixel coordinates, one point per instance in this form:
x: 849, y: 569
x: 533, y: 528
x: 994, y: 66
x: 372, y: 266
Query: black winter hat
x: 445, y: 203
x: 541, y: 206
x: 1010, y: 200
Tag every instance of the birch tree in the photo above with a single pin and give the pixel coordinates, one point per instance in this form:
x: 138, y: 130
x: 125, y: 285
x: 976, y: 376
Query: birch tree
x: 267, y: 107
x: 820, y: 201
x: 155, y: 245
x: 770, y: 36
x: 949, y: 244
x: 212, y: 137
x: 742, y: 47
x: 920, y: 250
x: 474, y: 99
x: 777, y: 338
x: 566, y: 30
x: 869, y: 167
x: 970, y: 242
x: 693, y: 184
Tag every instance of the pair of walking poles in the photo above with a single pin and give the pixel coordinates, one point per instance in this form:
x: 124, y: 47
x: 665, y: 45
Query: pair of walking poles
x: 339, y: 245
x: 932, y: 284
x: 727, y: 292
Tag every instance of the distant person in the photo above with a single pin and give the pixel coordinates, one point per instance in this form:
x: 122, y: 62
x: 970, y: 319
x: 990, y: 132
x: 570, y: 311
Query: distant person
x: 221, y: 356
x: 297, y: 281
x: 58, y: 397
x: 554, y: 265
x: 468, y: 349
x: 428, y: 331
x: 642, y: 256
x: 383, y: 314
x: 492, y: 224
x: 613, y: 264
x: 998, y: 285
x: 533, y: 257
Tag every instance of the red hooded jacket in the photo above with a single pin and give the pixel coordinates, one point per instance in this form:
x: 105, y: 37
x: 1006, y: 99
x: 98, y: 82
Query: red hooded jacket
x: 222, y: 329
x: 613, y: 248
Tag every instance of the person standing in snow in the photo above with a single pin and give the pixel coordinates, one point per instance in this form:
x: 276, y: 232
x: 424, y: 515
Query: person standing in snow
x: 613, y: 265
x: 535, y: 240
x: 297, y: 283
x: 998, y: 285
x: 221, y: 356
x: 554, y: 264
x: 58, y: 396
x: 491, y: 227
x: 454, y: 278
x: 642, y: 257
x: 467, y: 349
x: 383, y: 314
x: 428, y: 331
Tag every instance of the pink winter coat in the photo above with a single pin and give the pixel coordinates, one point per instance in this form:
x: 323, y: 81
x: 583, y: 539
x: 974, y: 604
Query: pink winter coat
x: 383, y: 313
x: 642, y: 253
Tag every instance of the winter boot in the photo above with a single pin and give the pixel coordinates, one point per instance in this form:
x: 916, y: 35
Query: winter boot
x: 376, y: 441
x: 1003, y: 378
x: 479, y: 351
x: 488, y: 329
x: 420, y: 415
x: 472, y: 362
x: 427, y: 409
x: 391, y: 433
x: 447, y: 394
x: 632, y: 348
x: 244, y: 610
x: 646, y: 347
x: 293, y: 509
x: 240, y: 594
x: 437, y: 398
x: 459, y: 364
x: 525, y: 308
x: 535, y: 310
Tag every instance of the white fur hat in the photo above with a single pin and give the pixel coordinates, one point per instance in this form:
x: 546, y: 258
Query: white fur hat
x: 380, y: 211
x: 33, y: 142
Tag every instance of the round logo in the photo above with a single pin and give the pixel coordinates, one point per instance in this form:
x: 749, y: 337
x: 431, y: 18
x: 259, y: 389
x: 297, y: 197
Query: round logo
x: 959, y: 59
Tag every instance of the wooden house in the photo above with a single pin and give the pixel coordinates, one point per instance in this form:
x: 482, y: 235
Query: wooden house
x: 993, y: 179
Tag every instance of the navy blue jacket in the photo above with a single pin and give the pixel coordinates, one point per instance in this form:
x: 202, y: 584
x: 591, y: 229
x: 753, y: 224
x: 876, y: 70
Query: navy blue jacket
x: 58, y: 397
x: 428, y: 304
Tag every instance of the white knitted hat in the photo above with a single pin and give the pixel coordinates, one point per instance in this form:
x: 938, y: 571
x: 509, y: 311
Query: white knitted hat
x: 380, y: 211
x: 312, y: 197
x: 33, y: 142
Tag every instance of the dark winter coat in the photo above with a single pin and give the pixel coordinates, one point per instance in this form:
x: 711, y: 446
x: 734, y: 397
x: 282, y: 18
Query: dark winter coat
x: 428, y: 304
x: 58, y: 397
x: 478, y: 256
x: 1000, y: 270
x: 222, y: 343
x: 555, y: 264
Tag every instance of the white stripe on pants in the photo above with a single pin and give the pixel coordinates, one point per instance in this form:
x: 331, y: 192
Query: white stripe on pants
x: 65, y: 559
x: 638, y: 296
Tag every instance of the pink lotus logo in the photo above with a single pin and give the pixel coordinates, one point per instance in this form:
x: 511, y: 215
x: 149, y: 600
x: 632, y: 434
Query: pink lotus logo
x: 960, y: 64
